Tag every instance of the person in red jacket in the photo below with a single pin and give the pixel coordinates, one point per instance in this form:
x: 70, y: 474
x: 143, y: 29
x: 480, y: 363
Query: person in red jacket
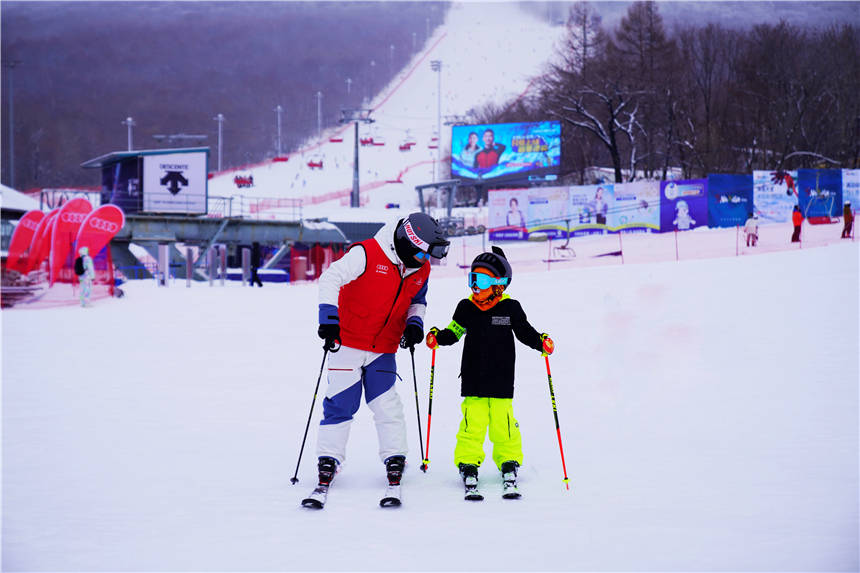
x: 797, y: 220
x: 847, y: 220
x: 371, y: 301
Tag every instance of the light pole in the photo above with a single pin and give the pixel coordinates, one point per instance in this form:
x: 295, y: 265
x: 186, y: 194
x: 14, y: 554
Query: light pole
x: 372, y: 70
x: 278, y: 111
x: 414, y: 40
x: 129, y: 122
x: 391, y: 60
x: 348, y: 86
x: 11, y: 65
x: 319, y: 115
x: 220, y: 119
x: 357, y: 116
x: 436, y: 66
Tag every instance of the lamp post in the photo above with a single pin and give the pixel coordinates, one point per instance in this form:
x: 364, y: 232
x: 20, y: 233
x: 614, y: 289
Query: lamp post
x: 220, y: 119
x: 129, y: 123
x: 278, y: 111
x: 11, y: 65
x: 436, y: 66
x: 357, y: 116
x: 348, y: 86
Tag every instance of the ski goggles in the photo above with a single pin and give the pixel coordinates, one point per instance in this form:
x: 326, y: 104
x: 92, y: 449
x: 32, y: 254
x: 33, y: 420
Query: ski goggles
x: 437, y: 250
x: 483, y: 281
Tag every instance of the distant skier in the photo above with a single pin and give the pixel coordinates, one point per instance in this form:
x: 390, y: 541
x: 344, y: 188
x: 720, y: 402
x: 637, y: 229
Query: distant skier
x: 489, y: 319
x: 751, y: 230
x: 847, y: 220
x: 85, y: 270
x: 372, y: 300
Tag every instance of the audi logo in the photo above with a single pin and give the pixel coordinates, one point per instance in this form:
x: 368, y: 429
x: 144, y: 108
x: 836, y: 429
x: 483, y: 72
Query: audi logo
x: 103, y: 225
x: 72, y: 217
x: 29, y: 224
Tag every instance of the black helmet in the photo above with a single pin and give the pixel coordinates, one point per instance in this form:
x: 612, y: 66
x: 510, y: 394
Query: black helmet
x: 419, y: 233
x: 495, y: 262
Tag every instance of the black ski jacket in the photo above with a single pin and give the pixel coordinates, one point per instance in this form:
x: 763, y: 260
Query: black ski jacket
x: 487, y: 366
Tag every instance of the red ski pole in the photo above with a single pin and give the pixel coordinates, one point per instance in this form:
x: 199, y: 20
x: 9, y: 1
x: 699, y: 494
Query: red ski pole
x: 557, y: 428
x: 426, y: 463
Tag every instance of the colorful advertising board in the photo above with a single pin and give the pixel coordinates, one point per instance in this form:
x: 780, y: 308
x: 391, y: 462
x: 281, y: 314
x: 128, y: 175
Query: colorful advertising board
x: 635, y: 206
x: 774, y: 195
x: 175, y: 183
x: 589, y: 208
x: 851, y: 186
x: 683, y: 205
x: 547, y: 210
x: 819, y: 192
x: 729, y: 199
x: 514, y: 214
x: 506, y: 151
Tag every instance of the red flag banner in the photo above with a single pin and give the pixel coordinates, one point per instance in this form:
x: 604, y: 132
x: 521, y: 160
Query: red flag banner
x: 99, y: 228
x: 66, y: 225
x: 22, y: 236
x: 40, y: 246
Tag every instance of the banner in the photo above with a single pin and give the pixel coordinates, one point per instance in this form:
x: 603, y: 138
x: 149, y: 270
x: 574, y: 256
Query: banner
x: 820, y: 192
x: 729, y: 199
x: 851, y: 187
x: 99, y: 228
x: 506, y: 151
x: 589, y: 208
x: 506, y: 216
x: 547, y: 210
x: 774, y: 195
x: 635, y: 207
x: 40, y: 246
x: 683, y: 205
x: 175, y: 183
x: 22, y: 236
x: 66, y: 225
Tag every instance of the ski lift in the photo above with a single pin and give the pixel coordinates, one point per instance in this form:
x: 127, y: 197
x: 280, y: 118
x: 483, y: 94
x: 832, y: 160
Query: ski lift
x: 365, y: 140
x: 315, y: 162
x: 408, y: 143
x: 336, y: 139
x: 281, y: 159
x: 378, y: 141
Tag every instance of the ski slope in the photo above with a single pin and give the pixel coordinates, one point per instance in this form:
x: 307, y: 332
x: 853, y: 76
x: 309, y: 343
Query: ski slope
x: 489, y: 52
x: 709, y: 415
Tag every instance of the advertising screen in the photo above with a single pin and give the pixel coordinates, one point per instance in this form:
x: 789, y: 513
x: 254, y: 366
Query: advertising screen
x: 506, y: 151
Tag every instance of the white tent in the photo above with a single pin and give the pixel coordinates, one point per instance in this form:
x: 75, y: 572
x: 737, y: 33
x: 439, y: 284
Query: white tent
x: 11, y: 199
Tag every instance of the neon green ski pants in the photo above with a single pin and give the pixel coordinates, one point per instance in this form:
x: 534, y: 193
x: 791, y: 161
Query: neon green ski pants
x: 497, y: 414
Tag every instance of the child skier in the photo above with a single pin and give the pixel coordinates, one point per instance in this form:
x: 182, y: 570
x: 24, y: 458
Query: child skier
x: 489, y: 319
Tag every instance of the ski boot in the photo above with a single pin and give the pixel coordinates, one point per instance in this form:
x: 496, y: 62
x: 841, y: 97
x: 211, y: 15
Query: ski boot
x: 326, y: 467
x: 394, y: 468
x: 509, y: 478
x: 469, y: 473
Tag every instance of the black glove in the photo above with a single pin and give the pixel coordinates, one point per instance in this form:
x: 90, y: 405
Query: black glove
x: 331, y: 334
x: 412, y: 335
x: 446, y: 337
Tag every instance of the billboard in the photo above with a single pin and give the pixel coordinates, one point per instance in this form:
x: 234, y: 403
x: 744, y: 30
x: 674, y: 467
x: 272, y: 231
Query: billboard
x: 635, y: 207
x: 517, y: 213
x: 774, y: 195
x: 506, y: 151
x: 683, y: 205
x: 589, y: 208
x: 729, y: 199
x: 851, y: 186
x: 819, y: 192
x: 175, y: 182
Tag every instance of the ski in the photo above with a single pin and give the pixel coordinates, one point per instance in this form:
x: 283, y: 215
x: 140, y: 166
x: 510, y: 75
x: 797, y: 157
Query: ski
x: 391, y: 498
x: 317, y: 498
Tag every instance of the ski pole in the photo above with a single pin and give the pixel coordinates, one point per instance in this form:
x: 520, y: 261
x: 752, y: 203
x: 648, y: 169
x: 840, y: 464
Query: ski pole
x: 426, y: 463
x: 294, y: 480
x: 557, y: 428
x: 417, y: 409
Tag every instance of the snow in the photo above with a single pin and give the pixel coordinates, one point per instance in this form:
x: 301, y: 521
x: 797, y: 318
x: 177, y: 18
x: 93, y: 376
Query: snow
x: 708, y: 408
x: 12, y: 199
x: 489, y: 52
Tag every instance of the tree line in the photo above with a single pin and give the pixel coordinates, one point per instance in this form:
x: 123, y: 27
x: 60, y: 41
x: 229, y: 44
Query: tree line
x: 703, y: 98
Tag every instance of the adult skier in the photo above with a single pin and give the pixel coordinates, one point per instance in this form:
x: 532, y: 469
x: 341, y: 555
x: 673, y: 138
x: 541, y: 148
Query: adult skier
x: 489, y: 319
x: 86, y: 275
x: 370, y: 301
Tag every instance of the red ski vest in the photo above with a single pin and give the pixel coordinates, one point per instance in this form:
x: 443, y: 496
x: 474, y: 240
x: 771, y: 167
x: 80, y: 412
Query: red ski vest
x: 373, y: 307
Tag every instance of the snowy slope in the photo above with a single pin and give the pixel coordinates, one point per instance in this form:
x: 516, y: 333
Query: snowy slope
x: 709, y: 412
x: 489, y: 53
